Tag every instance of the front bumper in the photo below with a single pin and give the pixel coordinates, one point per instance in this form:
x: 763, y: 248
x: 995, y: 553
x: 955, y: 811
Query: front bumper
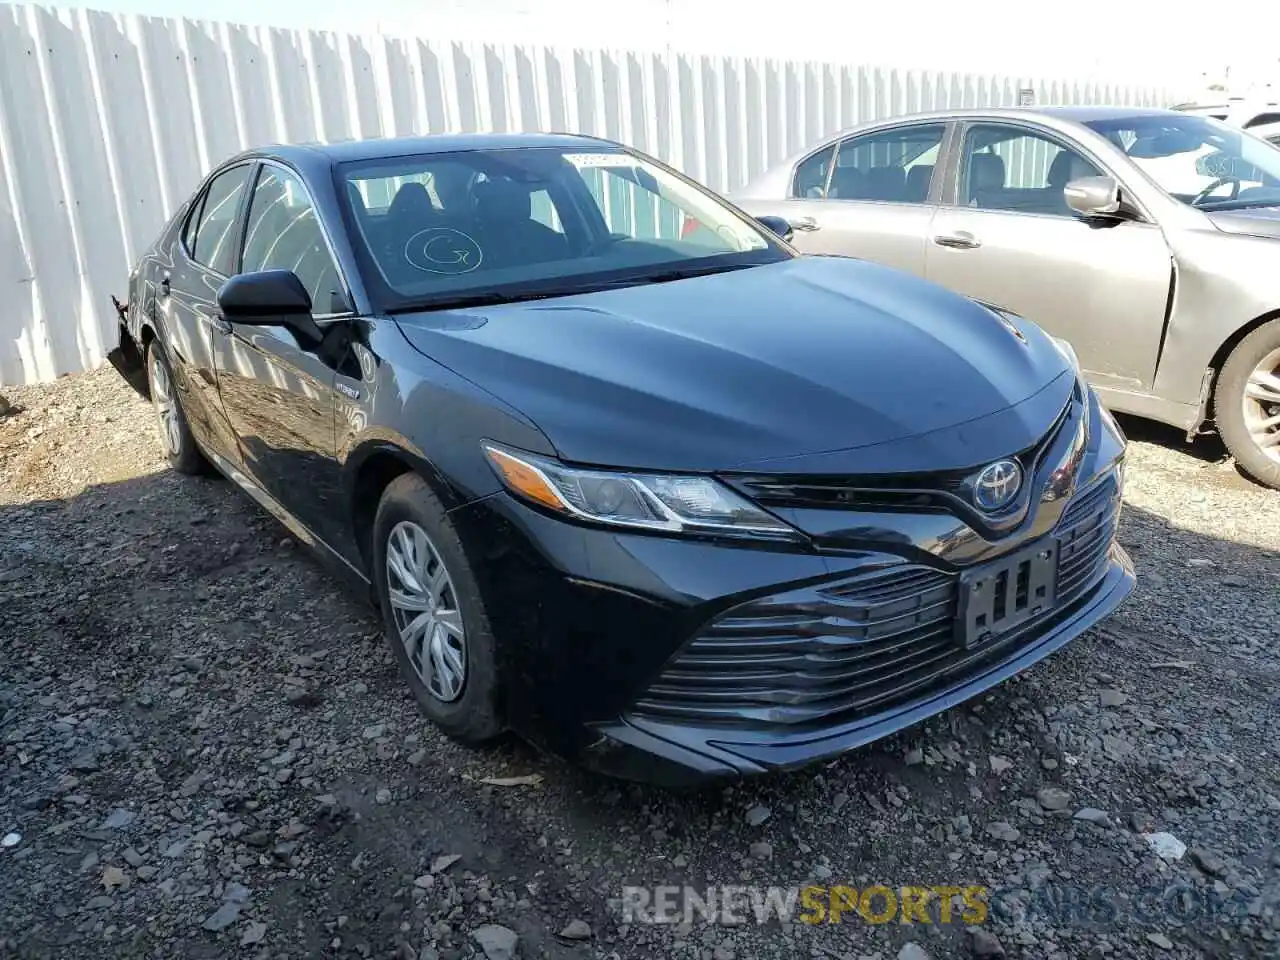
x: 681, y: 754
x: 599, y: 633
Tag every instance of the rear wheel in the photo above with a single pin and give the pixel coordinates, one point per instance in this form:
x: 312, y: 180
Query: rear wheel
x: 1247, y: 404
x: 175, y: 435
x: 433, y: 615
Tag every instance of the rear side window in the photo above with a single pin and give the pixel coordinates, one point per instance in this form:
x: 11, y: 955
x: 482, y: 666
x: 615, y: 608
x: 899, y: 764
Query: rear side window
x: 811, y: 175
x: 894, y: 165
x: 214, y: 241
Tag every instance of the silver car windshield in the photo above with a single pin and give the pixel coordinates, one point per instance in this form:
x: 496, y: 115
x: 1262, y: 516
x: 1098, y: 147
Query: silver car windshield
x: 1198, y: 160
x: 437, y: 227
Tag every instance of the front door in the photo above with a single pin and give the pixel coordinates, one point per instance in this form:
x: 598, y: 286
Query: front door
x: 1010, y: 239
x: 185, y: 301
x: 277, y: 387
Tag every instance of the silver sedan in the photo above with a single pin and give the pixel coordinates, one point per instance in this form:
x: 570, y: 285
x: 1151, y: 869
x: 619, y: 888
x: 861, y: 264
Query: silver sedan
x: 1148, y: 239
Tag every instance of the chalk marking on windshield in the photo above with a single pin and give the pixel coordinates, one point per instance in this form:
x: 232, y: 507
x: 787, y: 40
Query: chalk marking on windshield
x: 443, y: 250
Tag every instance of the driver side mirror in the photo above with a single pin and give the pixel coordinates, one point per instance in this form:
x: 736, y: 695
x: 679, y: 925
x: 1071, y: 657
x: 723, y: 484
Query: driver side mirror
x: 269, y: 298
x: 265, y: 293
x: 778, y: 225
x: 1094, y: 196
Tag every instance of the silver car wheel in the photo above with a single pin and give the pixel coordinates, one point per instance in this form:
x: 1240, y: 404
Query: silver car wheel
x: 1262, y: 405
x: 425, y: 607
x: 165, y: 404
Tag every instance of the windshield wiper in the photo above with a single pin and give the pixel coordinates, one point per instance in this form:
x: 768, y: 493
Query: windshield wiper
x: 491, y: 298
x: 487, y: 298
x: 668, y: 276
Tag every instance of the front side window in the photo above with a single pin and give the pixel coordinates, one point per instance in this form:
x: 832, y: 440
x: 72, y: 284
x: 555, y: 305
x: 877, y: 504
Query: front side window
x: 893, y: 166
x: 283, y: 233
x: 214, y: 241
x: 497, y: 222
x: 811, y: 175
x: 1018, y: 170
x: 1197, y: 160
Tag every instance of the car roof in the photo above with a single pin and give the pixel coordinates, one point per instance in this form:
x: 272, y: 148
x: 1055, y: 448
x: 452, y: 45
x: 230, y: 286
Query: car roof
x: 1080, y: 114
x: 376, y: 148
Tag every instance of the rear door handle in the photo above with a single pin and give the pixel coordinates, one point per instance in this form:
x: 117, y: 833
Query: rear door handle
x: 957, y: 240
x: 805, y: 224
x: 164, y: 287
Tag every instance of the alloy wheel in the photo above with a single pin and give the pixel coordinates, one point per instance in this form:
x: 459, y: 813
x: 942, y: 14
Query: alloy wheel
x: 1262, y: 405
x: 165, y: 404
x: 425, y: 607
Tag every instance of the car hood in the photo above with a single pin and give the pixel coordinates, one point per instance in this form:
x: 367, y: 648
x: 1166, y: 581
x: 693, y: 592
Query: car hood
x: 1254, y: 222
x: 815, y: 363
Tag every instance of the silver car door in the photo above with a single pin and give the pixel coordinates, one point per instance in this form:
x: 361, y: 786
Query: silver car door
x: 868, y: 196
x: 1009, y: 238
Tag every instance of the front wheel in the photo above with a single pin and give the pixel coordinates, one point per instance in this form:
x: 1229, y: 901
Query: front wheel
x: 1247, y: 404
x: 433, y: 615
x: 175, y: 434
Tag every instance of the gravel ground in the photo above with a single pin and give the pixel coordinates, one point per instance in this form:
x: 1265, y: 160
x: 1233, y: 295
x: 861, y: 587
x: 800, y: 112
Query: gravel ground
x: 206, y: 752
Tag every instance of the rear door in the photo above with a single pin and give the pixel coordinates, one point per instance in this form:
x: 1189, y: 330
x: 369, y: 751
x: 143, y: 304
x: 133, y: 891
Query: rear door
x: 279, y: 390
x: 1007, y: 236
x: 871, y: 195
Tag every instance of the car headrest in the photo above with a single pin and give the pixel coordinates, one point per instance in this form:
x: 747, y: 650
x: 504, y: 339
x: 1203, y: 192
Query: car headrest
x: 411, y: 202
x: 986, y: 172
x: 846, y: 182
x: 918, y: 178
x: 501, y: 200
x: 886, y: 183
x: 1067, y: 166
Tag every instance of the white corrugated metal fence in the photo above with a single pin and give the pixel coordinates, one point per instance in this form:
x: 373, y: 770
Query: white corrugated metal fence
x: 108, y: 121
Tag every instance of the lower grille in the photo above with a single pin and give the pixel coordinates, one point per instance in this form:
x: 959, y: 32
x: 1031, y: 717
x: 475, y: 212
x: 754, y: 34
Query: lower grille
x: 1084, y: 534
x: 861, y: 645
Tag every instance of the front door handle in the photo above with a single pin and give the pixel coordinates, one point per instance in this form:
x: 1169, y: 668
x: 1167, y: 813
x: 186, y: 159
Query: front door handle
x: 957, y: 240
x: 164, y: 287
x: 805, y: 224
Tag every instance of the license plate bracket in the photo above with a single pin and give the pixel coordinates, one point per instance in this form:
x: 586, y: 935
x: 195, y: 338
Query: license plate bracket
x: 1004, y: 594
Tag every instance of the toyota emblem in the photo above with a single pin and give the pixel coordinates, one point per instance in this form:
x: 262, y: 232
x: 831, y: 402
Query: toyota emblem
x: 997, y: 485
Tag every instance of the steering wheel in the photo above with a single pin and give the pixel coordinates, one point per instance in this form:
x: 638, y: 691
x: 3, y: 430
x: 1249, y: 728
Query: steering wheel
x: 1204, y: 194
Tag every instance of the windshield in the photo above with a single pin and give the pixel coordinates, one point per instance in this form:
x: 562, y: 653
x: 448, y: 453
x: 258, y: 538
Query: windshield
x: 1198, y: 160
x: 440, y: 228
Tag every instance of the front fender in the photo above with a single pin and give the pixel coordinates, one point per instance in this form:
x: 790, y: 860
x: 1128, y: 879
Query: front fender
x: 406, y: 411
x: 1224, y: 283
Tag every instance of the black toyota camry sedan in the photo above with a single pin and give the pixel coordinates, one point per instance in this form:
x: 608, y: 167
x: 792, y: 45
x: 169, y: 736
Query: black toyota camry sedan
x: 621, y: 470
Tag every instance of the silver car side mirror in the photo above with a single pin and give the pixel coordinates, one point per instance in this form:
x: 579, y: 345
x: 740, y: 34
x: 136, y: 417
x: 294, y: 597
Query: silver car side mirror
x: 1093, y: 196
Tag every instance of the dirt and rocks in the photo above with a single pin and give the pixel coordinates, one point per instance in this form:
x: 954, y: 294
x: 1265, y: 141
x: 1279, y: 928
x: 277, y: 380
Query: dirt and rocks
x: 205, y: 751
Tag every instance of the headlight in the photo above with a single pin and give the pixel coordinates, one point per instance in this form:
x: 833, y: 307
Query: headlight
x: 1067, y: 351
x: 675, y: 504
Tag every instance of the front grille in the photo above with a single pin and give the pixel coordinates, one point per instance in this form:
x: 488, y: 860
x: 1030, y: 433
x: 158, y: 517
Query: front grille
x: 861, y: 645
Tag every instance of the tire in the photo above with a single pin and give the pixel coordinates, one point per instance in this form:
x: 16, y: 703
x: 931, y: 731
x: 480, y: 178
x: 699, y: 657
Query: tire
x: 171, y: 420
x: 411, y: 525
x: 1239, y: 415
